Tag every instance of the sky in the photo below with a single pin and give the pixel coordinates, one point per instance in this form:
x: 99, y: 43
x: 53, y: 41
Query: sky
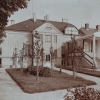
x: 78, y: 12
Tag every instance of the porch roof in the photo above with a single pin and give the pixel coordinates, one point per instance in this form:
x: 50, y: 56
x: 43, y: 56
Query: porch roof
x: 96, y: 34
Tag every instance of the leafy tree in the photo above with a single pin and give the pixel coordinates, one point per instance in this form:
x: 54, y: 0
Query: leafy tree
x: 8, y: 7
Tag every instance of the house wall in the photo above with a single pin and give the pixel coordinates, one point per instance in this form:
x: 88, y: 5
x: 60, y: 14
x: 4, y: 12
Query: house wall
x: 17, y: 38
x: 98, y: 49
x: 13, y: 39
x: 56, y: 46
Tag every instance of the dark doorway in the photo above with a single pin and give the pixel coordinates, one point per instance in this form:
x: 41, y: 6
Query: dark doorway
x: 47, y: 57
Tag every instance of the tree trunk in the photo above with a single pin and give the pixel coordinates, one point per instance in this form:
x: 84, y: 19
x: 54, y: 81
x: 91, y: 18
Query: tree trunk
x: 37, y: 76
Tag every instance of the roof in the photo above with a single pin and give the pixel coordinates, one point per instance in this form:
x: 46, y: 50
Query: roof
x: 87, y: 31
x: 29, y: 25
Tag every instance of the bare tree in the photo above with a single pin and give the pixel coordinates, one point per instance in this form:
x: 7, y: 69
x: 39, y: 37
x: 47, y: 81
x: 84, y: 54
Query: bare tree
x: 37, y: 51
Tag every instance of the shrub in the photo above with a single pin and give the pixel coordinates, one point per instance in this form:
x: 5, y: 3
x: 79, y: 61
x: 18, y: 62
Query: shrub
x: 43, y: 71
x: 83, y: 93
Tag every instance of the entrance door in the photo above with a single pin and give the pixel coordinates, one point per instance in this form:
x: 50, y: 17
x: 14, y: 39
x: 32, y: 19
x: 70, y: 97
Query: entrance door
x: 48, y: 57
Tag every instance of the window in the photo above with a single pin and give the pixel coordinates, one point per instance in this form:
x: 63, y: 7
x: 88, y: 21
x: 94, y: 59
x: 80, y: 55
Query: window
x: 63, y: 49
x: 0, y: 51
x: 55, y: 53
x: 48, y: 28
x: 70, y: 30
x: 91, y: 46
x: 85, y: 46
x: 47, y: 38
x: 41, y: 37
x: 47, y: 57
x: 0, y: 62
x: 55, y: 38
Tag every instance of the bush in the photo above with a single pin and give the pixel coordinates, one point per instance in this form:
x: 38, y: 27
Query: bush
x: 83, y: 93
x: 43, y: 71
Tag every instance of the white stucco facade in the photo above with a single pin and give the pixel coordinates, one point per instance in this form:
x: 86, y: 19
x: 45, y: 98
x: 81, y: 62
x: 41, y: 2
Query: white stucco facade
x: 15, y: 39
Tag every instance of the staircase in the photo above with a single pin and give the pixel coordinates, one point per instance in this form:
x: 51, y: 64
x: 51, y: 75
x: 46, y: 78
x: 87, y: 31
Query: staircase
x: 87, y: 60
x: 86, y: 64
x: 98, y: 63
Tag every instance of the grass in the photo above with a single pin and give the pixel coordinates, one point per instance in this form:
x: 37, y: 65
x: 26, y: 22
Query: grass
x: 58, y: 81
x: 83, y: 70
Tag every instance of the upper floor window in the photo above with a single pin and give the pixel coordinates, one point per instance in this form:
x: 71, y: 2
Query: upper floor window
x: 47, y: 38
x: 55, y: 38
x: 41, y: 37
x: 63, y: 49
x: 55, y: 53
x: 71, y: 30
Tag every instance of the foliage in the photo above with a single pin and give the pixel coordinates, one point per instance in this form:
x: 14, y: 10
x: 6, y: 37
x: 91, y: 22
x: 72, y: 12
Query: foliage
x: 8, y: 7
x: 43, y: 71
x: 76, y: 54
x: 83, y: 93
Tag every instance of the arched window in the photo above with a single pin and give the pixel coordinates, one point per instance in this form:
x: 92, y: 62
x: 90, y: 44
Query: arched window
x: 71, y: 30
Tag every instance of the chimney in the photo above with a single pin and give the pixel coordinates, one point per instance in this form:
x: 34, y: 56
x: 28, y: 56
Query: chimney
x: 65, y: 20
x: 34, y: 17
x: 47, y: 17
x: 87, y: 26
x: 98, y: 27
x: 12, y: 22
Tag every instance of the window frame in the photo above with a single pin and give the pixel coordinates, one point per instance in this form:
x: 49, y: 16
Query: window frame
x: 70, y: 30
x: 55, y: 38
x: 0, y: 51
x: 47, y: 38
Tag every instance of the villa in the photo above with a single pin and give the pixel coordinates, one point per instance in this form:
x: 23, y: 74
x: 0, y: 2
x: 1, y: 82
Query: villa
x: 52, y: 33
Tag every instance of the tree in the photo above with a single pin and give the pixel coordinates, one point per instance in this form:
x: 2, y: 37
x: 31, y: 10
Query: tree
x: 76, y: 54
x: 37, y: 52
x: 8, y: 7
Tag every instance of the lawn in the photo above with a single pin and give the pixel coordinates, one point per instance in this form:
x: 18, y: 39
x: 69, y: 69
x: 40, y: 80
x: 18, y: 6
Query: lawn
x: 83, y: 70
x: 57, y: 81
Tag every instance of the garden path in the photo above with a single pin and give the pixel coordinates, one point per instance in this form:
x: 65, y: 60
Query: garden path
x: 88, y: 77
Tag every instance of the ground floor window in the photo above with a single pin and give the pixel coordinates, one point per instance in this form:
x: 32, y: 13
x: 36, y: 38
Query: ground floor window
x: 48, y: 57
x: 0, y: 62
x: 0, y: 51
x: 63, y: 62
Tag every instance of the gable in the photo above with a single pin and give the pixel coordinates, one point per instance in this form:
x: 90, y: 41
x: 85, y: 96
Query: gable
x: 48, y: 28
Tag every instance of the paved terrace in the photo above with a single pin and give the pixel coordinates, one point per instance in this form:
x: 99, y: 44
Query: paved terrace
x: 9, y: 90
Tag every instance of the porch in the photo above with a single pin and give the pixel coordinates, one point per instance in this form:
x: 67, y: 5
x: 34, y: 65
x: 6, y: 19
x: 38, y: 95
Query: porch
x: 91, y: 46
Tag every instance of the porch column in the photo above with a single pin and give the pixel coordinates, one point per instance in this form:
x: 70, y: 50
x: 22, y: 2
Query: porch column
x: 94, y: 51
x: 83, y: 44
